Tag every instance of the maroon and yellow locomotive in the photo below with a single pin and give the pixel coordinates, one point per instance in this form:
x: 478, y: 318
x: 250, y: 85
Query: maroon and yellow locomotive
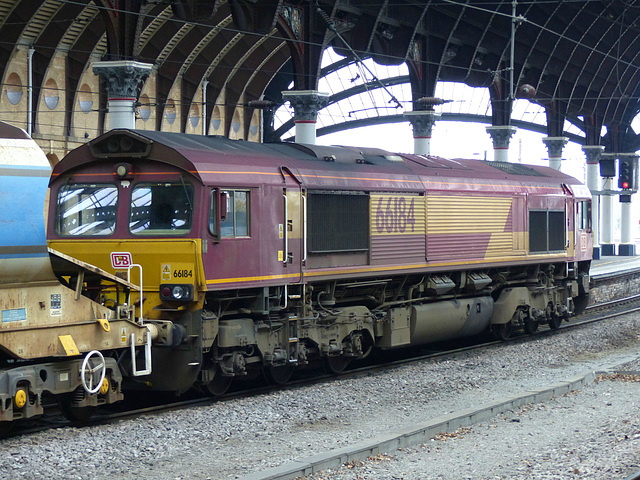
x: 267, y: 257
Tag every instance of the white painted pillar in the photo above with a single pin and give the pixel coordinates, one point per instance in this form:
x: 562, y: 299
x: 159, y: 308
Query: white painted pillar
x: 627, y: 245
x: 422, y: 122
x: 606, y: 212
x: 593, y: 152
x: 501, y: 137
x: 555, y: 145
x: 122, y: 113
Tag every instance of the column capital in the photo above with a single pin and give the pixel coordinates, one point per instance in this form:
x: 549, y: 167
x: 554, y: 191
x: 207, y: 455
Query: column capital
x: 306, y: 103
x: 555, y: 145
x: 593, y: 153
x: 422, y: 122
x: 122, y: 78
x: 501, y: 135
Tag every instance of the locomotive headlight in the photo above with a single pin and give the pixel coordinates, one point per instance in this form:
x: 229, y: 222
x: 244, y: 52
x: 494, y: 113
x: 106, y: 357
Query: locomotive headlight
x: 176, y: 293
x: 123, y: 170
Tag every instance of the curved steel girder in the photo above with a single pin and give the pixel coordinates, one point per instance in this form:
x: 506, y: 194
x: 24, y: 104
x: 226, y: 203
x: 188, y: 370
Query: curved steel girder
x: 350, y: 92
x: 215, y: 51
x: 447, y: 117
x: 121, y: 20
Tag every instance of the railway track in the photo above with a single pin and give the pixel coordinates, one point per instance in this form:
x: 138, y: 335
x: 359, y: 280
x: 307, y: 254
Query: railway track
x: 157, y: 404
x: 634, y: 476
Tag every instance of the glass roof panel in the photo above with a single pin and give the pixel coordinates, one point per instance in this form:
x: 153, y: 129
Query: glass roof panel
x: 369, y: 99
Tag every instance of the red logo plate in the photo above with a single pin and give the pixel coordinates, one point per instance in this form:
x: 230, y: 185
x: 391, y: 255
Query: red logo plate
x: 121, y: 260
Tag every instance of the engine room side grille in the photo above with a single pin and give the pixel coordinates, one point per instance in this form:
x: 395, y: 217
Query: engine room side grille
x: 338, y: 223
x: 546, y: 231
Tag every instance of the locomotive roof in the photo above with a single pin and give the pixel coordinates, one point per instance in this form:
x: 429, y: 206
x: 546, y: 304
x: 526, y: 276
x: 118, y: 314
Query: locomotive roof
x: 313, y: 166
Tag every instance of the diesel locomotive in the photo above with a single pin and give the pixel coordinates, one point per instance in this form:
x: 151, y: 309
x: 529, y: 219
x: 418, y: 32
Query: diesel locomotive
x: 264, y: 258
x: 56, y: 345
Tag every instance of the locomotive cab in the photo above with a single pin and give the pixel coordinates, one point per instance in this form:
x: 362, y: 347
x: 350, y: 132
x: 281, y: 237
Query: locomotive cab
x: 140, y: 228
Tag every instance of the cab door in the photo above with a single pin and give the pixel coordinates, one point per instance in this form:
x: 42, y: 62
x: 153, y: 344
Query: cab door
x: 583, y: 229
x: 292, y: 232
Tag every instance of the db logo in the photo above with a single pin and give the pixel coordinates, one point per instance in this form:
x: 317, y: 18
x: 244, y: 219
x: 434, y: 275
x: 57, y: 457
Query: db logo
x: 121, y: 260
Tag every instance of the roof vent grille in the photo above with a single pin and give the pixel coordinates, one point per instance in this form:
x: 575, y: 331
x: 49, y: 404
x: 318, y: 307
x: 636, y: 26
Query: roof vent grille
x: 515, y: 169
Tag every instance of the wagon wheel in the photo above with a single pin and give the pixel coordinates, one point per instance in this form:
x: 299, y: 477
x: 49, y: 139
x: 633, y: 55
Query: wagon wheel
x: 336, y: 364
x: 502, y: 330
x: 5, y: 428
x: 71, y: 411
x: 278, y: 375
x: 220, y: 383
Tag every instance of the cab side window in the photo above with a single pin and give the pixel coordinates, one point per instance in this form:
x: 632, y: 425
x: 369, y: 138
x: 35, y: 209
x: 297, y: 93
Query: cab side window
x: 233, y: 213
x: 584, y: 215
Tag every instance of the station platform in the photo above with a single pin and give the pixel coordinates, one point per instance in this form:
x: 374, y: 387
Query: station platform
x: 606, y: 266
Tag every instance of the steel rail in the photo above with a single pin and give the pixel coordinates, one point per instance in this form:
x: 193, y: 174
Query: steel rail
x: 119, y: 411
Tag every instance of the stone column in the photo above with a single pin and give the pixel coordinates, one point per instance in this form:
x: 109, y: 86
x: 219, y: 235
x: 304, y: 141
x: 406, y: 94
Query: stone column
x: 554, y: 147
x: 593, y: 152
x: 627, y: 245
x: 306, y: 104
x: 122, y: 80
x: 422, y: 122
x: 501, y: 136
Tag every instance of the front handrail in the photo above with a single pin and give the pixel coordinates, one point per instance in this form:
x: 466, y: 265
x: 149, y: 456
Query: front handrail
x: 140, y: 318
x: 286, y: 230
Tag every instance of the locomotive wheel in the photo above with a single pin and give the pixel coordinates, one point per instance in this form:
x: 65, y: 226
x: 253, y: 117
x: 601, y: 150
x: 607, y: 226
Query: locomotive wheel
x: 336, y: 363
x: 278, y: 375
x: 219, y: 385
x: 502, y: 330
x: 530, y: 325
x: 555, y: 321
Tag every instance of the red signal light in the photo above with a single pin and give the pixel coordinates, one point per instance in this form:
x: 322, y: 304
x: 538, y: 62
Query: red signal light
x: 625, y: 185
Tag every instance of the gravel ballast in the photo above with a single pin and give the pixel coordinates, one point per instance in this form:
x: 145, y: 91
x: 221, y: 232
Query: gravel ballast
x: 591, y: 433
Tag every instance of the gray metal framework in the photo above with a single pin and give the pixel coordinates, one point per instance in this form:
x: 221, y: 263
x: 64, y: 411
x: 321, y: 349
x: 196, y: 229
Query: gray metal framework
x: 581, y: 58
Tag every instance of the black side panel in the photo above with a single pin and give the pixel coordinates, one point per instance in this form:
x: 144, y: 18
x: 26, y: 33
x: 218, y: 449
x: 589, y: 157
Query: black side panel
x: 537, y: 232
x: 556, y: 231
x: 547, y: 231
x: 338, y: 222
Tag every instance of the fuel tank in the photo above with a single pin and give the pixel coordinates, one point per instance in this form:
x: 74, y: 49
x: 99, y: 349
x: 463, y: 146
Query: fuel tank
x: 24, y: 176
x: 448, y: 319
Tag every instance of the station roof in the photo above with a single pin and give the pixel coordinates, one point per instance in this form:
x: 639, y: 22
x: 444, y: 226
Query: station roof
x: 578, y: 59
